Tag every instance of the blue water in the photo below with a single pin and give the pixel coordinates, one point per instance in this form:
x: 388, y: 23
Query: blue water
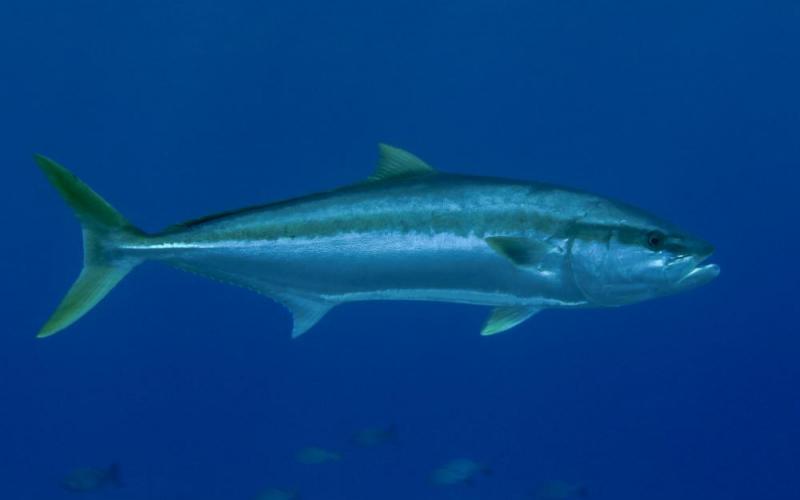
x: 173, y: 110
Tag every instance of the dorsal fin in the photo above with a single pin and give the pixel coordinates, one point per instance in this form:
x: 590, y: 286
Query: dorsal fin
x: 395, y: 163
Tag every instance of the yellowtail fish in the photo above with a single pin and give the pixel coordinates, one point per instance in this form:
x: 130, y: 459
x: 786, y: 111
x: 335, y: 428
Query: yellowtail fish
x: 408, y: 232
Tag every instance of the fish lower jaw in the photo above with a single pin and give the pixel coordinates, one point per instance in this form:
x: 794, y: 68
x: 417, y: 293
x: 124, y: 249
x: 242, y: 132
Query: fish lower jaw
x: 700, y: 275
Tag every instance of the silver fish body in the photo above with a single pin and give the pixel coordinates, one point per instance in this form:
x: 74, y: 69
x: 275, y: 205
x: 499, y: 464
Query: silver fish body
x: 412, y: 233
x: 417, y: 239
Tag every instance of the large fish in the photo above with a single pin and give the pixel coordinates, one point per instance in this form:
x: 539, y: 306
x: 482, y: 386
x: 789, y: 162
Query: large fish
x: 408, y: 232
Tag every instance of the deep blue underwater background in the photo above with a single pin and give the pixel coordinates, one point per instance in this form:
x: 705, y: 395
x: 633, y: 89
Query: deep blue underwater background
x: 176, y: 109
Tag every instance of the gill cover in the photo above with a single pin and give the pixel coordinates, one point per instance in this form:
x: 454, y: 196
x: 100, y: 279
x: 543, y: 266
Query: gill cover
x: 612, y: 272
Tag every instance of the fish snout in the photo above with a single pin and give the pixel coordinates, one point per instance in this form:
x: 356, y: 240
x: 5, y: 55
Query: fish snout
x: 697, y: 251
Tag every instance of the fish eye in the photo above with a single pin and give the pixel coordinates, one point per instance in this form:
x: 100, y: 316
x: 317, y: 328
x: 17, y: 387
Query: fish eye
x: 655, y: 239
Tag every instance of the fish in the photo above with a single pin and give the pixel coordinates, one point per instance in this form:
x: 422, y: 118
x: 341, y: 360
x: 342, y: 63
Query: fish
x: 407, y: 232
x: 88, y: 479
x: 314, y: 455
x: 458, y: 471
x: 559, y: 490
x: 374, y: 436
x: 278, y: 494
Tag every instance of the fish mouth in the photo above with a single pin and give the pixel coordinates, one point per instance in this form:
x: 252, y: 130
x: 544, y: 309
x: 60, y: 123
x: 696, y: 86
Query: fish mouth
x: 700, y: 274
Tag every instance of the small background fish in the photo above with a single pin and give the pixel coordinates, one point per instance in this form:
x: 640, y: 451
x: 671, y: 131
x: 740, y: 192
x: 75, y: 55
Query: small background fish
x: 560, y: 490
x: 278, y: 494
x: 374, y: 436
x: 459, y: 471
x: 313, y: 455
x: 91, y: 479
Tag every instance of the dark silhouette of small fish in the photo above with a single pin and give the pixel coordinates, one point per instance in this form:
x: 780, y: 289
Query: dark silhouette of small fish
x: 88, y: 479
x: 277, y: 494
x: 560, y: 490
x: 459, y: 471
x: 314, y: 455
x: 374, y: 436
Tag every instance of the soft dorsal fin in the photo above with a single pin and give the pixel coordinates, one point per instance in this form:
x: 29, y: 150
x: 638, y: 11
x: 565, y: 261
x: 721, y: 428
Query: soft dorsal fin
x: 503, y: 318
x: 395, y: 163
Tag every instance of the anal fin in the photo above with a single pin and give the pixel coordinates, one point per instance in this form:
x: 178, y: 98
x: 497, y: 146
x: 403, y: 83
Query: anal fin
x: 306, y: 310
x: 503, y: 318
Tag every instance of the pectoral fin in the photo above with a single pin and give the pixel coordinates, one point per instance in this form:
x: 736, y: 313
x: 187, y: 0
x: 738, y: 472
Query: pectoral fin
x: 523, y: 252
x: 306, y: 311
x: 503, y: 318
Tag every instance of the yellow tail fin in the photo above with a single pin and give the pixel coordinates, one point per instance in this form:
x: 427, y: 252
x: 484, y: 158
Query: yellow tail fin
x: 103, y: 264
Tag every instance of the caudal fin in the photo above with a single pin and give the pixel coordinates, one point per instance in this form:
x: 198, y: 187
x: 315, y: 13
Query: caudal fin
x: 103, y: 229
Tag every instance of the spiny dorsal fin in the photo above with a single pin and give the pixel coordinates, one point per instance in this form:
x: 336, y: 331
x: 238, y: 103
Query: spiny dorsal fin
x: 396, y: 163
x: 503, y: 318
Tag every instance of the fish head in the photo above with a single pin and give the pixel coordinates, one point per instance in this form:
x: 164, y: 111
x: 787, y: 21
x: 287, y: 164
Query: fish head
x: 637, y: 257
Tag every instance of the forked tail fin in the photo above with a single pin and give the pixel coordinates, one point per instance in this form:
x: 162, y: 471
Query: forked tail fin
x: 103, y: 230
